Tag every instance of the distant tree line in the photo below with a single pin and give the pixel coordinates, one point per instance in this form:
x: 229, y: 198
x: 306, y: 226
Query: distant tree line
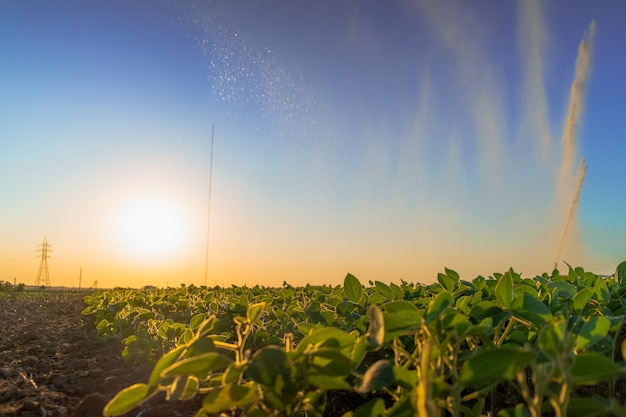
x: 7, y: 286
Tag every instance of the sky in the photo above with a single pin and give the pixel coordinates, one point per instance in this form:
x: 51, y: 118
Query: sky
x: 297, y: 141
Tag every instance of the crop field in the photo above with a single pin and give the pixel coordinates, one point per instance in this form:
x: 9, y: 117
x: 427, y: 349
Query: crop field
x: 506, y: 345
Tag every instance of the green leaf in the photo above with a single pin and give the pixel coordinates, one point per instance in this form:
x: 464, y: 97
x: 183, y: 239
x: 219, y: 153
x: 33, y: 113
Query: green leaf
x: 553, y: 339
x: 518, y: 411
x: 352, y: 288
x: 331, y: 362
x: 401, y: 317
x: 561, y: 289
x: 338, y: 336
x: 620, y: 273
x: 376, y: 331
x: 446, y: 282
x: 306, y: 328
x: 531, y: 309
x: 346, y: 307
x: 177, y: 388
x: 601, y: 291
x: 594, y: 406
x: 197, y: 320
x: 402, y: 408
x: 191, y: 388
x: 163, y: 363
x: 254, y: 311
x: 581, y: 299
x: 227, y: 396
x: 201, y: 364
x: 404, y: 377
x: 591, y: 368
x: 438, y: 305
x: 504, y: 290
x: 372, y: 408
x: 452, y: 274
x: 592, y: 332
x: 270, y: 366
x: 489, y: 367
x: 377, y: 376
x: 199, y: 347
x: 384, y: 290
x: 126, y: 400
x: 327, y: 382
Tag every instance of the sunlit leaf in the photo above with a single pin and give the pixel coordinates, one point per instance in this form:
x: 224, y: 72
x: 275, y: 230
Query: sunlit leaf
x: 504, y: 290
x: 601, y: 291
x: 227, y: 396
x: 592, y: 332
x: 446, y: 282
x: 581, y: 299
x: 452, y: 274
x: 207, y: 362
x: 163, y: 363
x: 126, y: 400
x: 254, y: 311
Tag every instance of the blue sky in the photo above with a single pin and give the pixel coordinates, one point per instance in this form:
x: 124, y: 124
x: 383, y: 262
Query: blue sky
x: 386, y: 139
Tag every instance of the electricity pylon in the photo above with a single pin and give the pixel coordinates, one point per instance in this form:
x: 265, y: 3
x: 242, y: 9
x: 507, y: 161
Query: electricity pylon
x: 43, y: 275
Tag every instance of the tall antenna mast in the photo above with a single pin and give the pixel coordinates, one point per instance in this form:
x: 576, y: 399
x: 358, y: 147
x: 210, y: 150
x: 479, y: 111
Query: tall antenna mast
x: 43, y: 275
x: 572, y: 209
x: 208, y: 232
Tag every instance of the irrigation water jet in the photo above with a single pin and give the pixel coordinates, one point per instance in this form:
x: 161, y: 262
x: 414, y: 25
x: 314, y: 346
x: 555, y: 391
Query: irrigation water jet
x: 570, y: 183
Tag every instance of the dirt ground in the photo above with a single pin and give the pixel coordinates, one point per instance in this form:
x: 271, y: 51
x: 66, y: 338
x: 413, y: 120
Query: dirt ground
x: 51, y: 363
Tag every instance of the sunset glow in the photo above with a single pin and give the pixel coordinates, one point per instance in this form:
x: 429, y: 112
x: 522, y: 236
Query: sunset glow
x: 385, y: 139
x: 150, y: 229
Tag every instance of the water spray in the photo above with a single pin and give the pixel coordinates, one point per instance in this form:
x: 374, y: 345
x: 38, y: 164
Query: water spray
x: 574, y: 112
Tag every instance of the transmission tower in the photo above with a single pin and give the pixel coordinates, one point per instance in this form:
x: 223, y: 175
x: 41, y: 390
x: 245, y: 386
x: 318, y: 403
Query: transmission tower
x: 43, y: 275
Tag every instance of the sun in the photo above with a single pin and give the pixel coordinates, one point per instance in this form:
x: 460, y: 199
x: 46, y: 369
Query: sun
x: 152, y: 228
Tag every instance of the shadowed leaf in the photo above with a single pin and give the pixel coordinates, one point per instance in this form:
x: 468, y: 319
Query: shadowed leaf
x: 376, y: 331
x: 352, y: 288
x: 492, y: 366
x: 377, y: 376
x: 591, y: 368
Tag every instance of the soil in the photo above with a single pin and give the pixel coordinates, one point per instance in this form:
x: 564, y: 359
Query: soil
x: 52, y: 364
